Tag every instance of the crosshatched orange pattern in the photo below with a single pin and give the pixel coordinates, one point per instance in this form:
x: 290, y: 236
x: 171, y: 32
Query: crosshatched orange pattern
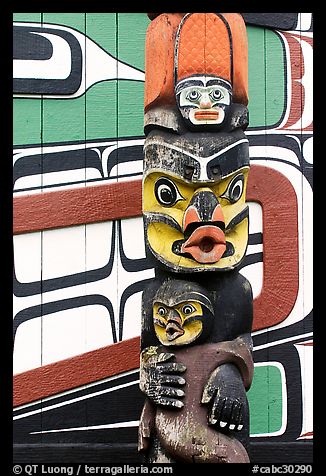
x: 204, y: 47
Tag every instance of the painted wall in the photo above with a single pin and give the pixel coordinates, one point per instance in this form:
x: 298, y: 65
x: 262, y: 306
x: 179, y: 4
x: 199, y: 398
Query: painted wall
x: 80, y: 262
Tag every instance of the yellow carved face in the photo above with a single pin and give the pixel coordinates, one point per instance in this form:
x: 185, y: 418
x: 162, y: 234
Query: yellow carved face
x: 178, y: 325
x: 196, y: 226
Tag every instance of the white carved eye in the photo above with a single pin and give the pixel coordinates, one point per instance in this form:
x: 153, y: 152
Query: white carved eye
x: 193, y: 95
x: 216, y: 95
x: 166, y: 192
x: 161, y: 311
x: 188, y: 309
x: 235, y: 188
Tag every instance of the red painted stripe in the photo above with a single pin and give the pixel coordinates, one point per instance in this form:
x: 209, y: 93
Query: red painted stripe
x: 306, y: 435
x: 77, y: 206
x: 80, y: 370
x: 278, y: 199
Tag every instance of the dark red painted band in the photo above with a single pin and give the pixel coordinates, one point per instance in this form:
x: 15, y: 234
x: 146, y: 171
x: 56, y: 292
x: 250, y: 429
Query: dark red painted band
x: 278, y: 199
x: 77, y: 206
x: 76, y: 371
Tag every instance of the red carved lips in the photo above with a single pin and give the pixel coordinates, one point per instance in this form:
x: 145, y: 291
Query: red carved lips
x: 206, y: 244
x: 206, y: 114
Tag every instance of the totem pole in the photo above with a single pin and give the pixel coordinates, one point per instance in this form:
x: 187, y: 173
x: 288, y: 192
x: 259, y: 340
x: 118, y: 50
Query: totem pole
x: 196, y: 349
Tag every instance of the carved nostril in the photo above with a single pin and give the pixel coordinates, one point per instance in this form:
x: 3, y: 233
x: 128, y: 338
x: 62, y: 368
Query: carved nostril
x: 205, y: 104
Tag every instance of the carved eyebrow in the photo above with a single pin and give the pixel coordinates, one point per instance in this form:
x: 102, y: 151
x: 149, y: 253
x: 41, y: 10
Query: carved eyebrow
x: 188, y: 83
x: 219, y: 82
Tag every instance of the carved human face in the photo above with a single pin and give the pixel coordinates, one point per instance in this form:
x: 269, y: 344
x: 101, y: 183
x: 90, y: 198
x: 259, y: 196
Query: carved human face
x: 203, y: 100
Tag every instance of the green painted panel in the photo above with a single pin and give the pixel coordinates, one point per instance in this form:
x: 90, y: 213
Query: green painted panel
x: 131, y: 50
x: 275, y: 78
x: 64, y: 119
x: 27, y: 121
x: 101, y: 98
x: 131, y: 108
x: 101, y: 104
x: 72, y: 20
x: 131, y: 38
x: 256, y: 76
x: 26, y: 17
x: 101, y: 28
x: 265, y: 400
x: 266, y: 60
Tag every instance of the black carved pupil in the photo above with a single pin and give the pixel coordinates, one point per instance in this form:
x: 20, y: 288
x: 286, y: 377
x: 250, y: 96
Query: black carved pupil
x: 187, y: 310
x: 165, y: 192
x: 235, y: 189
x: 236, y: 192
x: 193, y: 95
x: 166, y: 195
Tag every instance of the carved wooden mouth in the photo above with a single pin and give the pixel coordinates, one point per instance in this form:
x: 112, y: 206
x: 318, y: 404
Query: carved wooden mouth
x: 206, y: 244
x: 206, y: 114
x: 173, y: 330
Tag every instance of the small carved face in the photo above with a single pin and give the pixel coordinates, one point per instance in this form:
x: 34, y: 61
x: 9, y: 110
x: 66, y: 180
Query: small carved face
x: 178, y: 325
x: 203, y: 100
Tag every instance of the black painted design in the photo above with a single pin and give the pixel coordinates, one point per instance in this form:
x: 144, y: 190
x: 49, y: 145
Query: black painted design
x: 57, y: 306
x: 129, y: 291
x: 117, y: 400
x: 132, y: 265
x: 278, y: 21
x: 66, y: 86
x: 73, y: 157
x: 33, y: 288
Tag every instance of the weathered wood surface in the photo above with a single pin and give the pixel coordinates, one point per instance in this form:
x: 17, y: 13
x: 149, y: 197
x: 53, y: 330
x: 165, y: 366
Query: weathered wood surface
x: 77, y: 289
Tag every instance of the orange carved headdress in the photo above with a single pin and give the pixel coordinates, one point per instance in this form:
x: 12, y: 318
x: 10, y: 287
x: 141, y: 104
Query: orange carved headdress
x: 179, y: 46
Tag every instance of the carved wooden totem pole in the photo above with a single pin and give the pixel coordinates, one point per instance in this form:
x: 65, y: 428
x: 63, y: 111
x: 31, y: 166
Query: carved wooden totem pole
x: 196, y: 349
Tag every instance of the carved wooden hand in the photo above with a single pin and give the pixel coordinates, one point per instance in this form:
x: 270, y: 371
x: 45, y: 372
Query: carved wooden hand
x: 159, y: 378
x: 226, y: 396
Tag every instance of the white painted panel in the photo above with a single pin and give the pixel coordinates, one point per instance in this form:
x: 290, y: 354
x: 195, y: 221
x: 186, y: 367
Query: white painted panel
x: 27, y: 347
x: 133, y: 237
x: 132, y: 317
x: 64, y: 249
x: 27, y: 257
x: 305, y: 351
x: 255, y: 218
x: 76, y: 175
x: 308, y: 150
x: 274, y: 152
x: 64, y: 334
x: 126, y: 168
x: 254, y: 274
x: 98, y: 244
